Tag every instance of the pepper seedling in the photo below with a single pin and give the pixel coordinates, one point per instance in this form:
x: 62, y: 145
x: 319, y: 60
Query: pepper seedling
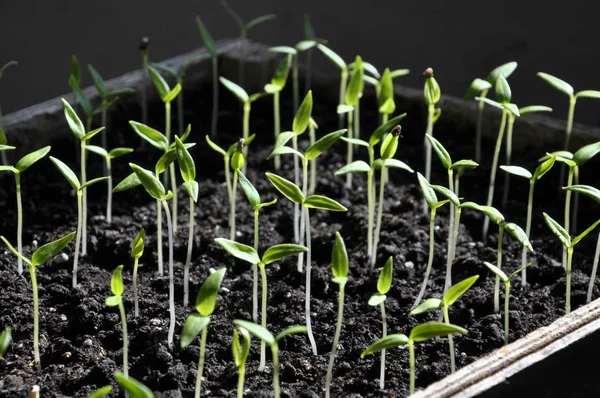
x: 359, y: 74
x: 240, y: 352
x: 137, y: 250
x: 295, y: 195
x: 481, y: 87
x: 384, y: 284
x: 419, y: 333
x: 108, y: 157
x: 3, y: 146
x: 131, y: 386
x: 39, y: 257
x: 273, y: 341
x: 506, y: 279
x: 339, y: 268
x: 449, y: 298
x: 101, y: 392
x: 384, y: 89
x: 5, y: 339
x: 79, y: 188
x: 237, y: 163
x: 312, y: 136
x: 23, y: 164
x: 197, y: 322
x: 143, y: 47
x: 432, y: 94
x: 211, y: 48
x: 539, y: 172
x: 116, y: 300
x: 250, y: 255
x: 339, y: 62
x: 277, y: 84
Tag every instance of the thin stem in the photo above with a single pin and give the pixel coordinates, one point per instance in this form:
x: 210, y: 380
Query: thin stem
x: 103, y: 137
x: 295, y: 87
x: 78, y: 237
x: 411, y: 359
x: 456, y: 186
x: 356, y: 131
x: 201, y: 361
x: 36, y: 320
x: 575, y: 199
x: 452, y: 215
x: 336, y: 339
x: 506, y: 312
x: 509, y: 131
x: 313, y: 163
x: 232, y: 206
x: 171, y: 282
x: 343, y: 84
x: 241, y: 376
x: 527, y: 231
x: 350, y: 150
x: 215, y: 108
x: 379, y: 216
x: 135, y: 288
x: 275, y: 354
x: 479, y: 127
x: 311, y: 337
x: 567, y: 219
x: 370, y: 203
x: 452, y: 253
x: 246, y: 131
x: 568, y: 293
x: 383, y: 335
x: 227, y: 177
x: 594, y: 270
x: 490, y: 198
x: 297, y: 229
x: 19, y: 222
x: 109, y: 186
x: 84, y: 203
x: 430, y: 260
x: 428, y: 131
x: 303, y: 224
x: 143, y: 89
x: 255, y: 272
x: 159, y: 237
x: 174, y: 190
x: 276, y: 124
x: 450, y: 342
x: 572, y: 102
x: 499, y: 265
x: 263, y: 315
x: 180, y: 108
x: 125, y: 344
x: 188, y: 257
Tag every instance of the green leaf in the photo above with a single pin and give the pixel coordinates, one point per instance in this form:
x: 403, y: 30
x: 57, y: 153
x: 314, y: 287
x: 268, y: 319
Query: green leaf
x: 323, y: 143
x: 6, y: 66
x: 309, y: 32
x: 14, y: 251
x: 207, y: 296
x: 432, y: 91
x: 343, y: 108
x: 384, y: 283
x: 6, y: 148
x: 137, y: 248
x: 117, y: 152
x: 464, y: 164
x: 385, y: 128
x: 8, y: 168
x: 333, y: 57
x: 165, y: 161
x: 278, y: 252
x: 154, y: 137
x: 257, y: 331
x: 302, y: 116
x: 491, y: 212
x: 92, y: 134
x: 399, y: 72
x: 518, y: 171
x: 544, y: 167
x: 113, y: 301
x: 281, y: 74
x: 233, y: 14
x: 518, y: 233
x: 3, y: 140
x: 49, y: 250
x: 284, y: 50
x: 476, y: 88
x: 502, y: 89
x: 376, y: 299
x: 441, y: 152
x: 390, y: 341
x: 159, y: 82
x: 389, y: 146
x: 131, y: 386
x: 489, y: 102
x: 73, y: 120
x: 240, y: 352
x: 28, y: 160
x: 339, y: 257
x: 75, y: 69
x: 152, y: 184
x: 584, y: 154
x: 192, y: 327
x: 101, y: 392
x: 355, y: 141
x: 191, y: 188
x: 172, y: 94
x: 249, y: 190
x: 92, y: 182
x: 259, y: 20
x: 120, y: 92
x: 505, y: 70
x: 558, y: 230
x: 265, y: 204
x: 164, y: 69
x: 584, y: 233
x: 428, y: 193
x: 98, y: 81
x: 458, y: 290
x: 370, y: 68
x: 430, y: 304
x: 305, y: 45
x: 358, y: 166
x: 534, y: 108
x: 214, y: 146
x: 588, y: 94
x: 323, y: 203
x: 5, y: 338
x: 285, y: 150
x: 97, y: 150
x: 356, y: 85
x: 67, y: 173
x: 557, y: 83
x: 239, y: 92
x: 447, y: 193
x: 286, y: 187
x: 186, y: 162
x: 283, y: 138
x: 512, y: 108
x: 295, y: 329
x: 131, y: 181
x: 430, y: 330
x: 209, y: 43
x: 592, y: 192
x: 239, y: 250
x: 497, y: 271
x: 272, y: 88
x: 116, y: 281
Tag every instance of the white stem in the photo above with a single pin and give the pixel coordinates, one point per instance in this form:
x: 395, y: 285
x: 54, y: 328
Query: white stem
x: 19, y: 223
x: 109, y: 186
x: 490, y: 198
x: 171, y: 282
x: 383, y: 334
x: 159, y: 236
x: 430, y: 260
x: 379, y: 216
x: 84, y: 207
x: 188, y: 258
x: 594, y: 270
x: 311, y: 337
x: 78, y: 237
x: 263, y: 315
x: 527, y: 231
x: 303, y: 224
x: 297, y: 229
x: 336, y: 340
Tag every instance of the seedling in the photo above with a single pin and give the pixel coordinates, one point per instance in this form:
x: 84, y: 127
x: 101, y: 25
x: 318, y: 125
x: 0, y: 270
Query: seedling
x: 4, y: 145
x: 481, y: 87
x: 353, y: 93
x: 131, y: 386
x: 339, y: 62
x: 5, y: 338
x: 295, y: 195
x: 568, y: 243
x: 80, y: 97
x: 384, y: 89
x: 240, y: 353
x: 101, y: 392
x: 198, y: 321
x: 137, y: 250
x: 339, y: 268
x: 116, y: 300
x: 209, y: 43
x: 506, y: 279
x: 39, y: 257
x: 23, y: 164
x: 143, y: 47
x: 3, y: 159
x: 237, y: 163
x: 384, y: 284
x: 539, y: 172
x: 432, y: 93
x: 250, y: 255
x: 277, y: 84
x: 273, y: 341
x: 358, y: 75
x: 108, y: 157
x: 451, y: 296
x: 419, y: 333
x: 79, y: 188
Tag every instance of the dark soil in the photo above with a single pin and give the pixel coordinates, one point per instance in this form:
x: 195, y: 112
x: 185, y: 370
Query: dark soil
x: 81, y: 343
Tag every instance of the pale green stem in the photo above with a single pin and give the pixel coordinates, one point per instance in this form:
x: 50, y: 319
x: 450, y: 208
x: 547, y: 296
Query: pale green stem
x: 36, y: 318
x: 343, y: 84
x: 246, y: 131
x: 103, y: 137
x: 568, y: 294
x: 383, y: 335
x: 350, y: 150
x: 527, y: 231
x: 227, y: 177
x: 201, y: 361
x: 297, y: 229
x: 594, y: 270
x: 336, y: 340
x: 509, y: 132
x: 263, y: 316
x: 135, y: 288
x: 109, y: 186
x: 19, y: 222
x: 499, y: 265
x: 303, y: 224
x: 125, y: 344
x: 255, y: 272
x: 379, y: 216
x: 575, y: 199
x: 171, y: 282
x: 84, y: 203
x: 479, y: 127
x: 452, y: 212
x: 506, y: 310
x: 450, y: 342
x: 311, y: 337
x: 188, y: 257
x: 296, y: 89
x: 277, y: 124
x: 143, y: 89
x: 180, y: 107
x: 232, y: 205
x: 430, y: 260
x: 307, y: 72
x: 313, y: 163
x: 356, y: 131
x: 456, y: 186
x: 173, y: 177
x: 572, y: 101
x: 411, y: 359
x: 78, y: 237
x: 159, y: 237
x: 370, y: 203
x: 567, y: 220
x: 215, y: 107
x: 241, y: 376
x: 428, y: 131
x: 450, y: 258
x: 275, y: 354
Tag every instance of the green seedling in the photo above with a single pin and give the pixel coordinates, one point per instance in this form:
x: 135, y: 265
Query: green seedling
x: 339, y: 62
x: 197, y: 322
x: 39, y: 257
x: 273, y: 341
x: 432, y: 94
x: 384, y: 88
x: 539, y: 172
x: 309, y: 35
x: 83, y: 101
x: 116, y: 300
x: 250, y: 255
x: 5, y: 339
x: 143, y: 47
x: 339, y: 268
x: 3, y: 146
x: 295, y: 195
x: 481, y: 87
x: 132, y: 387
x: 240, y: 353
x: 509, y: 132
x: 277, y: 84
x: 211, y: 48
x: 137, y: 250
x: 23, y: 164
x: 312, y: 136
x: 568, y: 243
x: 79, y: 188
x: 108, y: 157
x: 244, y: 28
x: 451, y: 296
x: 506, y: 279
x: 419, y: 333
x: 358, y: 75
x: 384, y: 284
x: 101, y: 392
x: 237, y: 163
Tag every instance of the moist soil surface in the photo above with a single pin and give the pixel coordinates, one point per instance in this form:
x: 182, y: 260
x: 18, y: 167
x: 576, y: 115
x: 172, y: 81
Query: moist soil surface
x: 81, y: 339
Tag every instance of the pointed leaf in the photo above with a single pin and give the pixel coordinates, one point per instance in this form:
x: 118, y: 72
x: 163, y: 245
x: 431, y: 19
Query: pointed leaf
x: 386, y: 93
x: 583, y: 155
x: 278, y: 252
x: 113, y: 301
x: 28, y: 160
x: 186, y: 162
x: 159, y: 82
x: 67, y: 173
x: 343, y: 108
x: 249, y: 190
x: 257, y: 331
x: 358, y: 166
x: 14, y: 251
x: 458, y: 290
x: 280, y: 77
x: 323, y: 203
x: 592, y: 192
x: 491, y: 212
x: 518, y: 233
x: 116, y: 282
x: 502, y: 89
x: 489, y: 102
x: 259, y: 20
x: 154, y: 137
x: 497, y: 271
x: 152, y: 185
x: 428, y: 193
x: 97, y: 150
x: 399, y: 72
x: 117, y: 152
x: 323, y: 143
x: 98, y: 81
x: 384, y: 129
x: 447, y: 193
x: 172, y: 94
x: 131, y: 386
x: 356, y: 85
x: 464, y: 164
x: 49, y: 250
x: 286, y: 187
x: 207, y: 295
x: 557, y: 83
x: 305, y: 45
x: 92, y: 182
x: 390, y: 341
x: 285, y: 150
x: 384, y: 283
x: 512, y: 109
x: 505, y: 70
x: 432, y: 91
x: 303, y: 114
x: 137, y: 248
x: 355, y: 141
x: 544, y: 167
x: 73, y: 120
x: 518, y: 171
x: 584, y: 233
x: 518, y: 271
x: 101, y: 392
x: 240, y: 352
x: 296, y: 329
x: 431, y: 304
x: 283, y: 138
x: 239, y: 92
x: 164, y: 69
x: 5, y: 338
x: 309, y: 32
x: 333, y: 57
x: 239, y: 250
x: 426, y: 331
x: 339, y: 257
x: 376, y: 299
x: 588, y: 94
x: 92, y: 134
x: 214, y: 146
x: 131, y: 181
x: 558, y: 230
x: 534, y: 108
x: 3, y: 140
x: 284, y: 50
x: 441, y: 152
x: 477, y: 86
x: 191, y: 188
x: 265, y: 204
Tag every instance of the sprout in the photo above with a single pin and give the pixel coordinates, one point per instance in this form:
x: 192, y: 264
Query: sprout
x: 419, y: 333
x: 506, y: 279
x: 277, y: 84
x: 137, y: 250
x: 384, y: 89
x: 353, y: 93
x: 144, y: 44
x: 451, y: 296
x: 211, y: 48
x: 39, y: 257
x: 542, y: 169
x: 250, y: 255
x: 339, y: 268
x: 80, y: 97
x: 108, y: 157
x: 131, y: 386
x: 568, y: 243
x: 240, y: 354
x: 273, y: 341
x: 294, y: 52
x: 23, y: 164
x: 101, y: 392
x: 295, y: 195
x: 237, y: 163
x: 432, y: 95
x: 480, y: 87
x: 116, y: 300
x: 3, y: 145
x: 384, y: 284
x: 5, y: 338
x: 79, y: 188
x: 339, y: 62
x: 198, y: 321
